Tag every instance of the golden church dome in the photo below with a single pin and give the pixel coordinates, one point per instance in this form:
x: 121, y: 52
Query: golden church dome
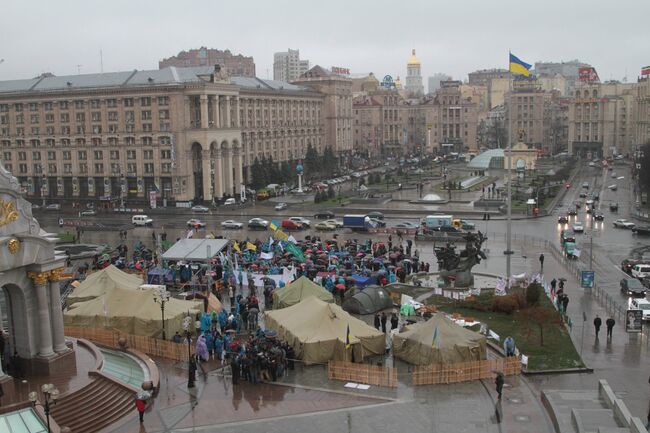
x: 413, y: 60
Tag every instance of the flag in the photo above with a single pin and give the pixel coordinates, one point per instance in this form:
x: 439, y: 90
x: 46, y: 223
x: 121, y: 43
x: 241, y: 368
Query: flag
x: 250, y: 246
x: 279, y: 234
x: 190, y: 234
x: 348, y: 338
x: 273, y: 226
x: 292, y: 239
x: 235, y: 245
x: 436, y: 339
x: 291, y: 248
x: 270, y: 241
x: 518, y: 66
x: 266, y: 256
x: 645, y: 70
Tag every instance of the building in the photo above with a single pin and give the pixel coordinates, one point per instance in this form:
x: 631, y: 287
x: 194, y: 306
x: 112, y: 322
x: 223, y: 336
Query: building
x: 643, y: 111
x: 483, y: 77
x: 531, y: 113
x: 414, y: 84
x: 377, y: 126
x: 235, y: 65
x: 163, y: 136
x: 569, y: 70
x: 287, y: 66
x: 433, y: 82
x: 454, y: 119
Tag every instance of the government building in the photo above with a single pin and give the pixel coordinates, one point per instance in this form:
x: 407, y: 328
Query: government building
x: 168, y: 135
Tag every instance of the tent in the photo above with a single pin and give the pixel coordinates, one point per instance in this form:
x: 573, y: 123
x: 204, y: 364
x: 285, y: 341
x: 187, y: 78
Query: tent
x: 298, y: 290
x: 317, y: 331
x: 368, y: 301
x: 131, y: 311
x: 452, y: 343
x: 100, y: 282
x: 160, y: 276
x: 195, y: 250
x: 361, y: 281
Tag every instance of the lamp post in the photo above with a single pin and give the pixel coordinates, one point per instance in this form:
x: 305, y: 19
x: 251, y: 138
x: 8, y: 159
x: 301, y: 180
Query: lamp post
x: 43, y: 186
x: 191, y: 373
x: 50, y: 396
x: 122, y: 182
x: 161, y: 297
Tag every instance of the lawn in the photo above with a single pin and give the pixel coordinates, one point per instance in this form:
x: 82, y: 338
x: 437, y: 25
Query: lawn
x: 558, y: 351
x: 65, y: 237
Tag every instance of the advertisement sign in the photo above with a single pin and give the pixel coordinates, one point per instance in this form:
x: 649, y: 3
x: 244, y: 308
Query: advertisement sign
x: 340, y: 71
x: 588, y: 75
x: 587, y: 279
x: 152, y: 199
x: 634, y: 320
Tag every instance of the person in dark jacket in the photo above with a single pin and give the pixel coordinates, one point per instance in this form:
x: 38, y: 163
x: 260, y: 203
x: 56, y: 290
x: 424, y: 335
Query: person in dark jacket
x: 610, y: 326
x: 377, y: 321
x: 384, y: 319
x: 394, y: 321
x: 234, y: 367
x: 499, y: 381
x: 597, y: 324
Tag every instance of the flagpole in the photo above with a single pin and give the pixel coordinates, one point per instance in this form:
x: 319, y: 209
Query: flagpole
x: 508, y: 251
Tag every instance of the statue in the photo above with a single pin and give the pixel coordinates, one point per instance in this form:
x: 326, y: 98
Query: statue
x: 457, y: 267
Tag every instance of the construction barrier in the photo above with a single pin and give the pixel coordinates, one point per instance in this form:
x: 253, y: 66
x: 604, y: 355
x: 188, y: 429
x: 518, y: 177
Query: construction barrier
x: 465, y: 371
x: 362, y: 373
x: 148, y: 345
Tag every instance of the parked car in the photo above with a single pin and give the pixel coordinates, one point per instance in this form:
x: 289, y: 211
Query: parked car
x: 258, y: 224
x: 641, y: 230
x: 195, y: 223
x: 406, y: 225
x: 281, y: 206
x: 53, y: 206
x: 613, y: 207
x: 578, y: 227
x: 641, y: 270
x: 466, y: 225
x: 230, y: 202
x: 304, y: 221
x: 641, y: 304
x: 375, y: 215
x: 632, y: 286
x: 623, y: 224
x: 628, y: 264
x: 231, y: 224
x: 562, y: 219
x: 291, y: 225
x: 585, y: 185
x: 582, y: 194
x: 336, y: 223
x: 324, y: 215
x: 141, y: 220
x: 88, y: 212
x: 325, y: 226
x: 199, y: 208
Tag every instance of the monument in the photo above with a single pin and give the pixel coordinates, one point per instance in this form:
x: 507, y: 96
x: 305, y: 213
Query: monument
x: 30, y: 274
x: 299, y: 169
x: 456, y: 267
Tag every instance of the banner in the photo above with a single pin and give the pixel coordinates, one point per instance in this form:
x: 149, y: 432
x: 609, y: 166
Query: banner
x: 587, y: 279
x: 588, y: 75
x: 634, y: 321
x: 152, y: 199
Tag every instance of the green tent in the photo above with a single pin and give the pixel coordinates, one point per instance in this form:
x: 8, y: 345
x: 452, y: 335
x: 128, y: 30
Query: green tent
x: 298, y: 290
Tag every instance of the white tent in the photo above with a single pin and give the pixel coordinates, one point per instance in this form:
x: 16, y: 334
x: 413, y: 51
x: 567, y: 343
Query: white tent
x: 195, y: 250
x: 100, y: 282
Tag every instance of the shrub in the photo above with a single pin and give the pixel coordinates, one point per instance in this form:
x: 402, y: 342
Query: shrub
x: 533, y: 293
x: 505, y: 304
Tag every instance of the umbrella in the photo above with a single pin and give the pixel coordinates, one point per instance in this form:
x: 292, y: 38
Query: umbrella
x: 269, y: 333
x: 231, y: 331
x: 340, y: 286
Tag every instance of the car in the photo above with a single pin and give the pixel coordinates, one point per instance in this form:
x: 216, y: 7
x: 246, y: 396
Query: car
x: 375, y: 215
x: 562, y: 219
x: 578, y: 227
x: 447, y: 229
x: 230, y: 202
x: 466, y: 225
x: 572, y: 212
x: 335, y: 223
x: 406, y: 225
x: 195, y: 223
x: 623, y: 224
x: 304, y: 221
x: 290, y: 225
x: 598, y: 216
x: 231, y: 224
x: 325, y: 226
x: 641, y: 304
x: 641, y: 271
x: 258, y: 224
x: 585, y: 185
x: 567, y: 238
x: 377, y: 222
x: 53, y: 206
x: 613, y: 187
x: 324, y: 215
x: 199, y: 208
x: 88, y: 212
x: 632, y: 286
x: 583, y: 194
x: 592, y: 164
x: 281, y: 206
x: 141, y: 220
x: 628, y: 264
x: 613, y: 207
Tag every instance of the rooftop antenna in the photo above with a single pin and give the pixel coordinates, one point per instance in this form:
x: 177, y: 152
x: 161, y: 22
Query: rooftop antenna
x: 101, y: 61
x: 79, y: 69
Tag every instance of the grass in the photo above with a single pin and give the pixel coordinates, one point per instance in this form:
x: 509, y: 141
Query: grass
x: 65, y: 237
x: 558, y: 351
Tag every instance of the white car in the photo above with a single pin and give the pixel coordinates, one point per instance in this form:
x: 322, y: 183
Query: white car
x: 578, y: 227
x: 301, y: 220
x: 641, y: 304
x: 231, y: 224
x: 336, y: 223
x: 195, y: 223
x: 230, y: 202
x: 258, y: 222
x: 641, y: 271
x: 200, y: 209
x: 623, y: 224
x: 281, y: 206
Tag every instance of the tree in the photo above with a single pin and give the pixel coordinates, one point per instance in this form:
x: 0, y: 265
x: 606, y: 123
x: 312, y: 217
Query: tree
x: 533, y: 293
x: 644, y: 172
x: 540, y: 318
x: 330, y: 192
x: 257, y: 175
x: 311, y: 163
x: 329, y: 160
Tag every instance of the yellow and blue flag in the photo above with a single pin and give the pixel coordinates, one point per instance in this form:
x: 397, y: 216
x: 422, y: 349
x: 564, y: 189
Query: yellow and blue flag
x: 518, y: 66
x: 251, y: 247
x: 273, y: 226
x: 235, y: 245
x: 348, y: 338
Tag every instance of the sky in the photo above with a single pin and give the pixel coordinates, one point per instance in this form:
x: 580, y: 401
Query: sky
x: 455, y: 37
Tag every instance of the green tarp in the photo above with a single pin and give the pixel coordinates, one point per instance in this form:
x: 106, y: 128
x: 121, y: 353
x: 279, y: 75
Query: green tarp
x: 298, y: 290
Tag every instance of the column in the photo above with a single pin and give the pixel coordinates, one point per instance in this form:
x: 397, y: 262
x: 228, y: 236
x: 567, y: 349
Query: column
x: 204, y: 111
x: 238, y: 170
x: 205, y: 167
x: 227, y: 167
x: 218, y: 174
x: 216, y: 116
x: 56, y: 312
x: 45, y: 341
x: 187, y: 112
x: 228, y: 125
x: 237, y: 110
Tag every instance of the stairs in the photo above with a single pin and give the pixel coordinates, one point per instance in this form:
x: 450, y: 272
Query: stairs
x: 94, y: 407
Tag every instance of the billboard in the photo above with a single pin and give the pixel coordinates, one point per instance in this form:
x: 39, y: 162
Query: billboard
x: 634, y: 320
x: 336, y: 70
x: 587, y: 279
x: 588, y: 75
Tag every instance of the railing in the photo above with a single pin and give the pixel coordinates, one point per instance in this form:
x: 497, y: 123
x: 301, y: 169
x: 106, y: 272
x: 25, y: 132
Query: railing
x: 465, y: 371
x: 362, y: 373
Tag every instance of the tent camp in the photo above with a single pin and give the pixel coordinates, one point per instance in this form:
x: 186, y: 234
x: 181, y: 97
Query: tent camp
x: 438, y: 341
x: 317, y: 331
x: 100, y: 282
x: 130, y: 311
x: 298, y: 290
x: 160, y: 276
x: 368, y: 301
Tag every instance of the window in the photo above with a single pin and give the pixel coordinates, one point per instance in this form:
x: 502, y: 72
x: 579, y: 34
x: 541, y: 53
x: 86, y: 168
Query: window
x: 166, y: 154
x: 6, y: 143
x: 128, y: 102
x: 147, y: 154
x: 51, y: 168
x: 36, y: 156
x: 115, y: 154
x: 33, y: 106
x: 20, y: 143
x: 49, y: 118
x: 112, y: 103
x: 112, y: 141
x: 18, y: 107
x: 34, y: 118
x: 112, y: 116
x: 4, y: 132
x: 95, y: 103
x: 129, y: 117
x: 112, y: 128
x: 115, y: 168
x: 129, y: 128
x: 50, y: 142
x: 9, y: 168
x: 96, y: 116
x: 83, y: 168
x: 165, y: 126
x: 4, y: 119
x: 145, y: 101
x: 7, y: 156
x: 65, y: 130
x: 20, y: 119
x: 99, y: 167
x: 146, y: 127
x: 51, y: 155
x: 79, y: 105
x: 163, y: 114
x: 130, y: 141
x: 148, y: 168
x: 36, y: 130
x: 22, y: 168
x: 163, y: 100
x: 147, y: 141
x: 97, y: 141
x: 66, y: 155
x: 63, y: 105
x: 146, y: 115
x: 81, y: 129
x: 81, y: 117
x: 131, y: 168
x: 65, y: 117
x: 99, y: 154
x: 81, y: 155
x: 166, y: 167
x: 4, y: 108
x: 65, y: 142
x: 67, y: 168
x: 130, y: 154
x: 38, y: 168
x: 97, y: 129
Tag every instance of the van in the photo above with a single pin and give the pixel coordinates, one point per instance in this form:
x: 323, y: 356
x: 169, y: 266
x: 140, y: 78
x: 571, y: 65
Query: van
x: 141, y: 220
x: 229, y: 202
x: 641, y: 271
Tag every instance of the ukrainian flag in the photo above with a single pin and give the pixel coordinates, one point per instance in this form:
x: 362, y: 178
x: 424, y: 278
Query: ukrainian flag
x: 348, y: 338
x: 273, y: 226
x: 518, y: 66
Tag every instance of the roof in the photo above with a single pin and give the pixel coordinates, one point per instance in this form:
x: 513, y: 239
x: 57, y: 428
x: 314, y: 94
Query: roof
x: 167, y: 76
x: 195, y: 250
x: 485, y: 160
x: 413, y: 60
x: 100, y: 282
x: 298, y: 290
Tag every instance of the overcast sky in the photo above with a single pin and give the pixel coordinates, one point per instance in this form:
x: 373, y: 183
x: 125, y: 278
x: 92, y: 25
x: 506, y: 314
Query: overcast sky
x: 455, y: 37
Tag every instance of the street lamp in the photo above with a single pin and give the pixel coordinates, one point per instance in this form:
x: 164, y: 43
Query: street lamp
x: 191, y: 374
x: 50, y: 396
x: 161, y: 297
x: 43, y: 184
x: 122, y: 181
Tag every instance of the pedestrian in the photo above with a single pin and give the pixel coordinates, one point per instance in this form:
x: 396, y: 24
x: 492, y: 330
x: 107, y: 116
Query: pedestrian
x: 140, y: 405
x: 384, y: 319
x: 565, y: 303
x: 231, y: 295
x: 377, y: 321
x: 597, y: 323
x: 541, y: 262
x: 499, y: 381
x: 553, y: 284
x: 234, y: 367
x: 394, y: 321
x: 610, y: 326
